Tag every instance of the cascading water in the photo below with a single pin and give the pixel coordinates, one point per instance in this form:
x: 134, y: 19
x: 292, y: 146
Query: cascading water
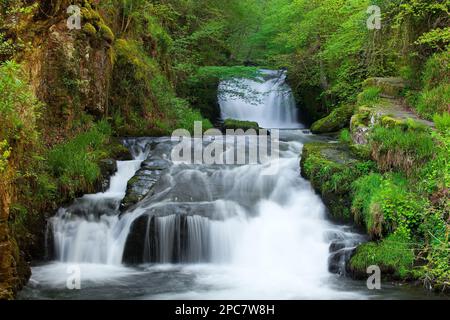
x: 204, y: 231
x: 83, y: 232
x: 267, y: 100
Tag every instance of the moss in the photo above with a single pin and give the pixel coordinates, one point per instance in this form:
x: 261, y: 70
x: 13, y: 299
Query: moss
x: 337, y: 120
x: 393, y: 255
x: 90, y: 15
x: 106, y: 33
x: 331, y: 168
x: 390, y: 122
x: 89, y: 29
x: 389, y: 87
x: 237, y: 124
x: 369, y: 96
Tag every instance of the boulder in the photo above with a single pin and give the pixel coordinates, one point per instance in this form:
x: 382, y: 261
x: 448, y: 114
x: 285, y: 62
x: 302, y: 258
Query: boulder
x: 237, y: 124
x: 331, y: 169
x: 390, y: 87
x: 338, y: 119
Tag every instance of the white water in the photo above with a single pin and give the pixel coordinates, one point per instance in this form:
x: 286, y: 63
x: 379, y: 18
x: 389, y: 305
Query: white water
x: 267, y: 100
x: 238, y: 234
x: 90, y: 238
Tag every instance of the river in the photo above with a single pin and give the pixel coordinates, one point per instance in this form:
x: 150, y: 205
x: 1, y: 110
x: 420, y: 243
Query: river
x: 208, y: 231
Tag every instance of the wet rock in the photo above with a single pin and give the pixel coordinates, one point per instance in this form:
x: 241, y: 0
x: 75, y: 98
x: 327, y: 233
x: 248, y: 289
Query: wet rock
x: 237, y: 124
x: 338, y: 119
x: 139, y: 186
x: 321, y: 163
x: 108, y: 167
x: 145, y: 179
x: 162, y: 234
x: 390, y: 87
x: 135, y: 245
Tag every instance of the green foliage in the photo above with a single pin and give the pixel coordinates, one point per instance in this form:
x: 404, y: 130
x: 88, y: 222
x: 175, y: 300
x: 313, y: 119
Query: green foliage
x: 384, y: 205
x: 75, y: 163
x: 433, y: 101
x: 5, y: 152
x: 19, y: 109
x: 345, y: 136
x: 393, y: 255
x: 442, y: 122
x: 332, y: 172
x: 435, y: 94
x: 225, y: 73
x: 89, y: 29
x: 369, y: 97
x: 106, y: 33
x: 436, y: 38
x: 143, y: 100
x: 401, y: 149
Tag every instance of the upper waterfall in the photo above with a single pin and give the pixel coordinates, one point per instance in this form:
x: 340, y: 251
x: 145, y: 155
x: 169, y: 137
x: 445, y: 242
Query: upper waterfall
x: 267, y: 100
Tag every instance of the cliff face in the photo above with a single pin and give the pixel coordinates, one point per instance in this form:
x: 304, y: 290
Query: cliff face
x: 69, y: 71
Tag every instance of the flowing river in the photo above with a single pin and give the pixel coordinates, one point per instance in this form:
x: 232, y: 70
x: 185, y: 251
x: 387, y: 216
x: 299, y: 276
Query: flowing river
x: 207, y: 231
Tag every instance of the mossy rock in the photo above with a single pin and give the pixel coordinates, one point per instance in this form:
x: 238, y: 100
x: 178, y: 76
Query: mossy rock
x: 338, y: 119
x: 237, y: 124
x: 106, y: 33
x: 331, y: 169
x: 89, y: 29
x: 392, y: 255
x: 118, y: 151
x: 90, y: 15
x: 390, y: 122
x: 390, y: 87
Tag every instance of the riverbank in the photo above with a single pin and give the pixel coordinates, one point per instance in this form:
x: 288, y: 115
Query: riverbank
x: 387, y: 174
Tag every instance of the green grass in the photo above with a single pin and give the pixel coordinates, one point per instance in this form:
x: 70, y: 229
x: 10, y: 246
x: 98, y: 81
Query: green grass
x: 442, y: 122
x: 398, y: 149
x: 369, y: 96
x: 345, y: 136
x: 75, y: 163
x: 432, y: 101
x: 393, y: 255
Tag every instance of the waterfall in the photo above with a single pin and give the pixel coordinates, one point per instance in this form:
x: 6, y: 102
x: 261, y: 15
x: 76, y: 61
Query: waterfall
x: 235, y: 232
x: 267, y: 100
x: 84, y: 232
